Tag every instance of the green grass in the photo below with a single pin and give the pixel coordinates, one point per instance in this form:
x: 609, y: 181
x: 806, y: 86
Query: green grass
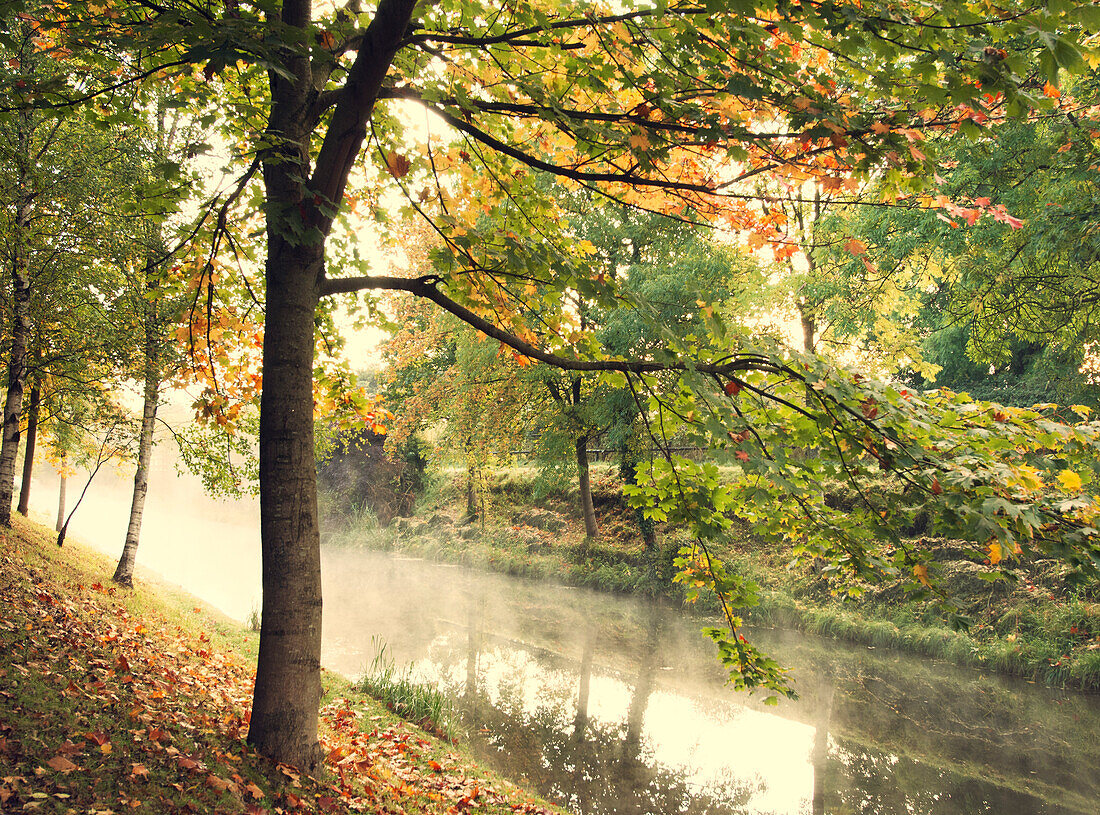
x: 394, y: 687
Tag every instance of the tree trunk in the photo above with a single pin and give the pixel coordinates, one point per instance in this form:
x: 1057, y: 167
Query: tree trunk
x: 299, y: 215
x: 591, y: 531
x: 809, y: 328
x: 17, y: 363
x: 471, y: 492
x: 28, y: 454
x: 288, y: 679
x: 124, y: 572
x: 628, y: 469
x: 150, y: 313
x: 61, y: 504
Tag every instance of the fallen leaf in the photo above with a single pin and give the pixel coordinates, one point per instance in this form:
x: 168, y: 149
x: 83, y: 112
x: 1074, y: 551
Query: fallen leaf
x: 62, y: 764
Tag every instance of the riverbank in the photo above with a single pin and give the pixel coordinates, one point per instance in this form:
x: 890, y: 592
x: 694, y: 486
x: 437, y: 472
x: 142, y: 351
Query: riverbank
x: 1039, y: 626
x: 117, y: 700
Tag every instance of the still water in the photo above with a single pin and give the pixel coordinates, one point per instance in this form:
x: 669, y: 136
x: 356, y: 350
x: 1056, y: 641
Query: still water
x: 616, y: 705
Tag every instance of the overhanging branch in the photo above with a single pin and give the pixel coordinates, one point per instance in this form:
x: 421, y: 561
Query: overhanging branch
x: 428, y: 288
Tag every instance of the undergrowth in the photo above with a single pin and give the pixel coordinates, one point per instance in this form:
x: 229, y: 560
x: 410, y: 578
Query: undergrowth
x: 395, y: 688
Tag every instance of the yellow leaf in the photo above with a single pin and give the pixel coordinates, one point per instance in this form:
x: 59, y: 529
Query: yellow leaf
x: 1070, y: 480
x: 639, y: 141
x: 920, y: 571
x: 994, y: 552
x: 587, y: 247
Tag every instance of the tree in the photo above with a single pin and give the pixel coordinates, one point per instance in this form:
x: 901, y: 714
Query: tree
x: 662, y: 106
x: 59, y: 247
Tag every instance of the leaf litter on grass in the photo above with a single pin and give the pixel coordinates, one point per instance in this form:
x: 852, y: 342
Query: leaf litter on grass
x: 103, y: 712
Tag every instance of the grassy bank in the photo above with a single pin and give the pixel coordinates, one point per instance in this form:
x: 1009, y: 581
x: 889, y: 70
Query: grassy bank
x: 1038, y: 626
x: 116, y: 700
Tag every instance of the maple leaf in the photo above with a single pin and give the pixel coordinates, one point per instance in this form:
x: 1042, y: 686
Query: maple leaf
x: 397, y: 164
x: 1070, y: 481
x: 994, y: 552
x: 920, y: 571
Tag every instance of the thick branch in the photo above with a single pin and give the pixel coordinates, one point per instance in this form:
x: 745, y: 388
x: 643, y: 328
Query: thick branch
x: 427, y: 287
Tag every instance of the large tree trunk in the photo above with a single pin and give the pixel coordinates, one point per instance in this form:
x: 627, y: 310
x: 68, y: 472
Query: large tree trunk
x: 288, y: 680
x: 17, y: 363
x: 124, y: 572
x: 299, y: 216
x: 28, y: 453
x: 585, y: 487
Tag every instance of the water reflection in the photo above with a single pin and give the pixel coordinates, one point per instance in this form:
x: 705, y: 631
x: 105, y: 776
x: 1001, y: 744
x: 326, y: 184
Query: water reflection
x: 615, y: 705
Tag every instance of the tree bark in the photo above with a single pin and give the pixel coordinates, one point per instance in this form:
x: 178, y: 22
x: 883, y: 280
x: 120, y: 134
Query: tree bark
x: 150, y: 318
x: 299, y: 215
x: 628, y: 469
x: 28, y: 453
x: 809, y: 329
x: 288, y: 680
x: 124, y: 572
x: 61, y: 504
x: 17, y: 366
x: 585, y: 487
x: 471, y: 492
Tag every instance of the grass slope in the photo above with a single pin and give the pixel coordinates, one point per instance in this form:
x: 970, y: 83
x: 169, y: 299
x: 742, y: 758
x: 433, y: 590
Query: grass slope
x: 117, y: 701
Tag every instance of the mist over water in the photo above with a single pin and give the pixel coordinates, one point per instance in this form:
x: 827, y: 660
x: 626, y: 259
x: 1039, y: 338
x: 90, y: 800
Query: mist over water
x: 611, y: 704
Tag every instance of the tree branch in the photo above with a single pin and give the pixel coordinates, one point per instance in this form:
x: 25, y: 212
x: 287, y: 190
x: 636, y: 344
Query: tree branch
x: 427, y: 287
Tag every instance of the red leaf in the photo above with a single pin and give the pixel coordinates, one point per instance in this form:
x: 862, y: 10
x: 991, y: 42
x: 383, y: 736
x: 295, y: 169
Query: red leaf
x: 733, y: 387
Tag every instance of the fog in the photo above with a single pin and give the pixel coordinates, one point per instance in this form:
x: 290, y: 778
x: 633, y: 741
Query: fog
x: 209, y: 546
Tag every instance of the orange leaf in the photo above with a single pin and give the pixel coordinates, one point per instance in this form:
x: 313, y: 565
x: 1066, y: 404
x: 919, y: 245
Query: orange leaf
x: 994, y: 552
x: 1051, y: 91
x: 397, y: 164
x: 855, y: 246
x: 920, y: 571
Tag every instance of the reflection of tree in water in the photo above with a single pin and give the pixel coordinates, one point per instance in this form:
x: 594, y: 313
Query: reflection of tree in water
x: 868, y: 781
x: 893, y: 735
x: 590, y: 766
